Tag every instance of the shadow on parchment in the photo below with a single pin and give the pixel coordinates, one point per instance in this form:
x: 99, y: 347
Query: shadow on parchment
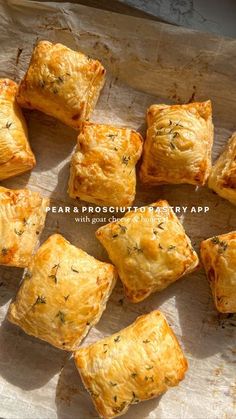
x: 72, y: 400
x: 10, y: 279
x: 25, y: 361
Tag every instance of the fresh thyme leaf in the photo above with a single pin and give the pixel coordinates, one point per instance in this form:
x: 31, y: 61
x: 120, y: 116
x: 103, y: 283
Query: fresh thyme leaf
x: 18, y: 232
x: 61, y: 316
x: 125, y: 160
x: 53, y: 276
x: 123, y: 229
x: 74, y: 270
x: 137, y: 249
x: 119, y: 408
x: 222, y: 245
x: 215, y: 240
x: 40, y: 300
x: 112, y: 136
x: 92, y: 393
x: 160, y: 225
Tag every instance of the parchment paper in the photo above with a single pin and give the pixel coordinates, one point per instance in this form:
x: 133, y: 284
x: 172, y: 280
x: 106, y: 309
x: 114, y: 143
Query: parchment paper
x: 147, y: 62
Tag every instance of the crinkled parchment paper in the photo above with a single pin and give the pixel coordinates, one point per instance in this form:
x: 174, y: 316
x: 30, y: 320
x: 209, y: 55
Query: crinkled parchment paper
x: 147, y: 62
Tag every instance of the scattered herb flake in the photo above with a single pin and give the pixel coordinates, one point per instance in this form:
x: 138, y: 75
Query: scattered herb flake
x: 4, y: 251
x: 119, y: 408
x: 115, y: 398
x: 125, y: 160
x: 123, y: 229
x: 117, y: 339
x: 146, y: 341
x: 8, y: 125
x: 66, y: 297
x: 40, y: 300
x: 74, y: 270
x: 215, y: 240
x: 160, y: 225
x: 113, y: 384
x: 18, y: 232
x: 171, y: 247
x: 61, y: 316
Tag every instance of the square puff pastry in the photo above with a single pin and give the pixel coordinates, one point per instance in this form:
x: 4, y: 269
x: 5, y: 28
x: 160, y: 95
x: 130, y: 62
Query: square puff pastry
x: 15, y: 153
x: 62, y: 83
x: 22, y: 218
x: 219, y: 259
x: 63, y: 294
x: 103, y: 166
x: 222, y: 178
x: 150, y: 249
x: 138, y: 363
x: 178, y: 144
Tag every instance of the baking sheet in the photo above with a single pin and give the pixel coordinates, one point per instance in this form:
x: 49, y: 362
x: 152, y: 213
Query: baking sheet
x: 147, y: 62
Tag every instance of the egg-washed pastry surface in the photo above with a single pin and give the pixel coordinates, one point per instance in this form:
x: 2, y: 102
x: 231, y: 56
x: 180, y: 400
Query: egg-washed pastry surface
x: 150, y: 249
x: 138, y: 363
x: 15, y: 153
x: 219, y: 259
x: 63, y: 294
x: 222, y: 178
x: 178, y: 144
x: 103, y: 165
x: 22, y: 218
x: 62, y: 83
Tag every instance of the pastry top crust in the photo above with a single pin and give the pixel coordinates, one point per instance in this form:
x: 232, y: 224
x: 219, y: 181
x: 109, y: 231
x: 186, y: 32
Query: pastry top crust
x: 22, y: 218
x: 219, y: 259
x: 103, y: 165
x: 222, y: 178
x: 15, y: 152
x: 178, y: 144
x: 138, y: 363
x: 63, y: 295
x: 62, y: 83
x: 149, y: 248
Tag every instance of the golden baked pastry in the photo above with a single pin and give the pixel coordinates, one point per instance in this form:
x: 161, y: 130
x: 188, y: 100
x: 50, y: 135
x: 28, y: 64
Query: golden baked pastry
x: 63, y: 294
x: 103, y: 165
x: 219, y: 259
x: 178, y: 144
x: 150, y: 249
x: 135, y: 364
x: 222, y: 178
x: 62, y: 83
x: 22, y: 218
x: 15, y: 153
